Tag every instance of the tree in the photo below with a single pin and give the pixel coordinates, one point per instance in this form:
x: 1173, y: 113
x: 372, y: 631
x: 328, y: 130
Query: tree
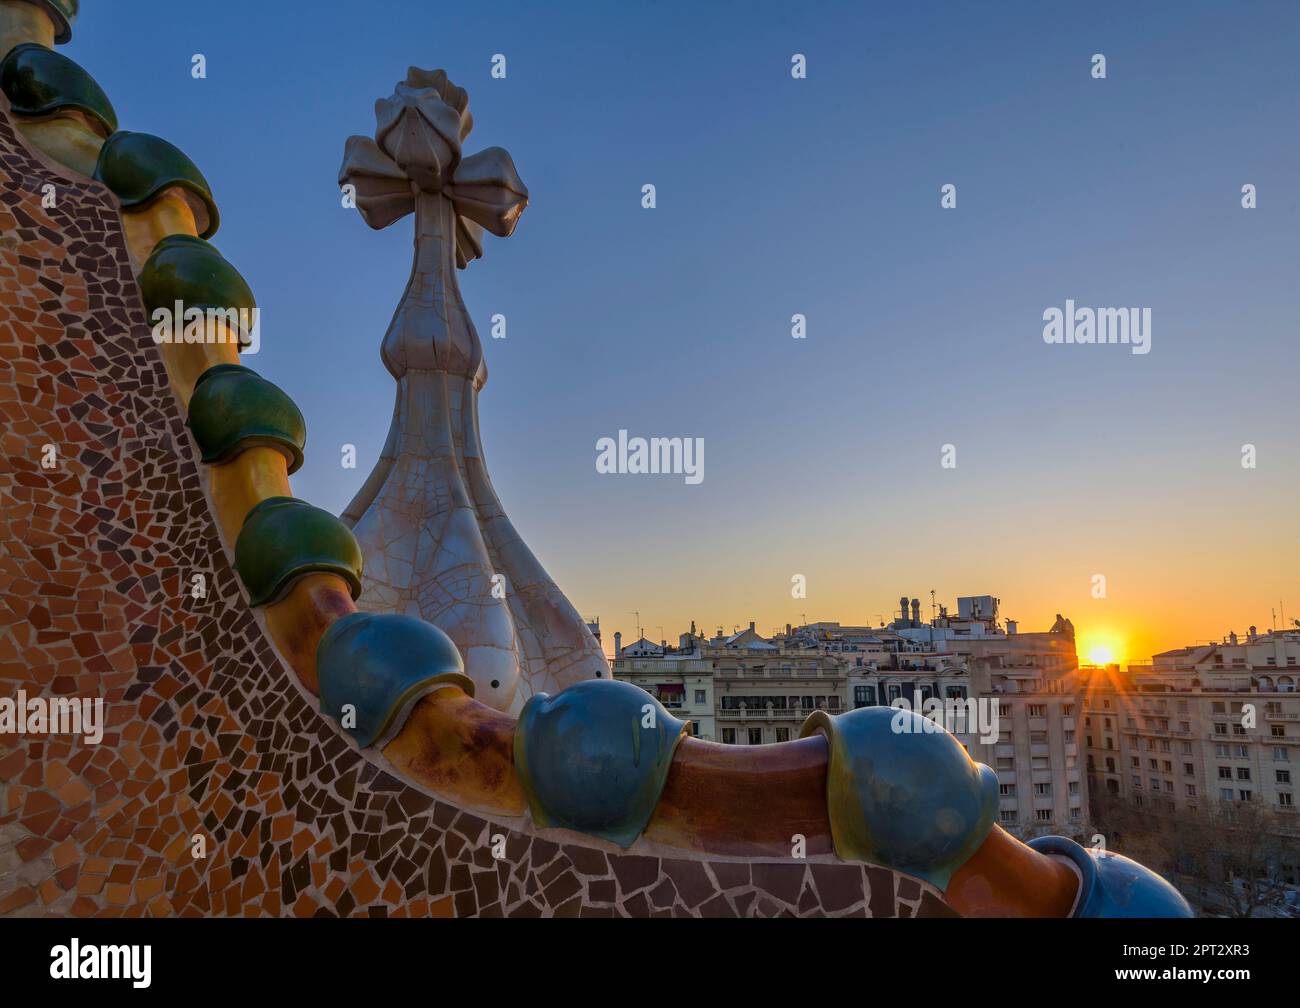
x: 1239, y: 859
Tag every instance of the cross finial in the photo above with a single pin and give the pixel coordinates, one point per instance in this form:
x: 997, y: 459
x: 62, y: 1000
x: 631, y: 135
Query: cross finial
x: 417, y: 149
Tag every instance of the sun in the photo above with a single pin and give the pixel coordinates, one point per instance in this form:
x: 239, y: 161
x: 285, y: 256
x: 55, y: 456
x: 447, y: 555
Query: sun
x: 1101, y: 654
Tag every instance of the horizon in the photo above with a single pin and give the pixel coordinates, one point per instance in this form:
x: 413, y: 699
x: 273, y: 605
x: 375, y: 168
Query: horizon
x: 1086, y: 641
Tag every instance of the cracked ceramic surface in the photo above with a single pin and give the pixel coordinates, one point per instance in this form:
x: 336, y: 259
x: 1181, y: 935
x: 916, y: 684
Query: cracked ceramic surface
x: 437, y: 542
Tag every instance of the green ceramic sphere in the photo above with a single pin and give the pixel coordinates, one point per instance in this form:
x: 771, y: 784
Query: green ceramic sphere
x: 190, y: 270
x: 139, y: 166
x: 284, y: 538
x: 39, y: 82
x: 234, y: 408
x: 62, y: 13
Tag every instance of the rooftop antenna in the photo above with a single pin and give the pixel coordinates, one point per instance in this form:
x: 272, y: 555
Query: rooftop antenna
x: 639, y: 632
x: 661, y: 631
x: 934, y: 610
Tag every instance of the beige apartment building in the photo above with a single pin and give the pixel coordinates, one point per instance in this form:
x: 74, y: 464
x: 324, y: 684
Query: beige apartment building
x: 745, y: 689
x: 1213, y: 723
x: 741, y: 689
x: 1029, y: 679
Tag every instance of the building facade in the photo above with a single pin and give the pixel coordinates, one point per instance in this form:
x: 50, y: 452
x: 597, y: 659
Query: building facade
x: 1210, y: 724
x: 1016, y: 696
x: 741, y: 689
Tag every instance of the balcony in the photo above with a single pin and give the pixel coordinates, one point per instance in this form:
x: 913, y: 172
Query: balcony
x: 770, y: 713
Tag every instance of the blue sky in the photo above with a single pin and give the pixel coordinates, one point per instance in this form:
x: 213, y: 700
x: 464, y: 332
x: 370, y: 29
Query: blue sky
x: 820, y: 196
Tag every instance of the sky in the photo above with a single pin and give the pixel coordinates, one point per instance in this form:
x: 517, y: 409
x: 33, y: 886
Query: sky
x: 778, y: 196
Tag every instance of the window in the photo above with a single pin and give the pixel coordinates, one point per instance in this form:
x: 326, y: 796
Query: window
x: 1220, y: 728
x: 1043, y: 814
x: 1225, y: 773
x: 1038, y: 737
x: 1074, y: 787
x: 1281, y: 754
x: 756, y: 736
x: 1007, y: 790
x: 1283, y: 776
x: 1225, y: 793
x: 1043, y: 789
x: 1137, y: 780
x: 1067, y: 710
x: 1189, y: 769
x: 1167, y: 766
x: 1069, y: 735
x: 1008, y: 817
x: 1277, y: 730
x: 1245, y: 795
x: 1243, y: 773
x: 1191, y: 790
x: 1169, y: 787
x: 1006, y: 763
x: 1154, y: 764
x: 1037, y: 710
x: 729, y: 736
x: 1284, y: 799
x: 1221, y: 750
x: 1137, y: 763
x: 699, y: 697
x: 1076, y: 813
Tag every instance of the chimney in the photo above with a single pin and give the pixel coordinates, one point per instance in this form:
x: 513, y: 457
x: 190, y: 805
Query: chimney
x: 916, y: 611
x: 788, y: 629
x: 1253, y: 635
x: 751, y: 624
x: 1012, y: 626
x: 902, y: 604
x: 618, y: 643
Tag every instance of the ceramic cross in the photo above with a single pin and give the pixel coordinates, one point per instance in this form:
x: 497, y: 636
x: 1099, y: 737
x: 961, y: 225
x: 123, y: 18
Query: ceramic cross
x: 436, y: 540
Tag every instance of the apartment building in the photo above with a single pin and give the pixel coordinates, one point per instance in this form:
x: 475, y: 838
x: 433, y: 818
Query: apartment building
x: 745, y: 689
x: 1211, y: 723
x: 1030, y: 680
x: 741, y: 689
